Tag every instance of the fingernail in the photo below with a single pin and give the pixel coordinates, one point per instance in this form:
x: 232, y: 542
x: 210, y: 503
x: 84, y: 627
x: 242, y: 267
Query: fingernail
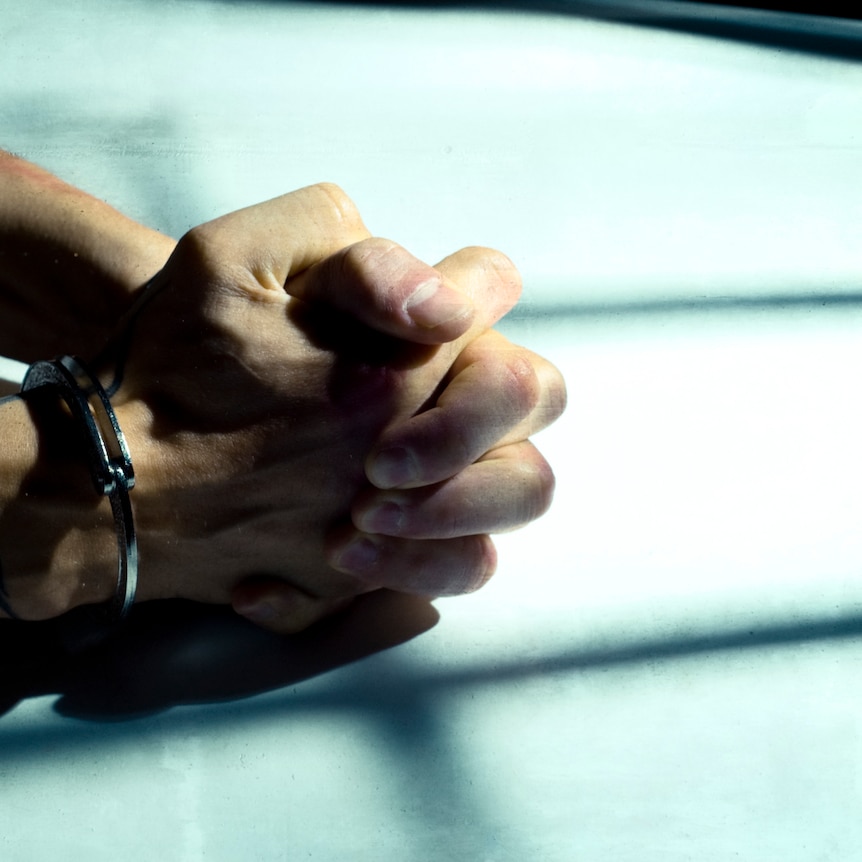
x: 256, y: 611
x: 390, y: 468
x: 357, y: 556
x: 433, y: 304
x: 386, y: 518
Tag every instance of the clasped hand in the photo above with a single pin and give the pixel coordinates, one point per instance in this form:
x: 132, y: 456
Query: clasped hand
x: 314, y: 413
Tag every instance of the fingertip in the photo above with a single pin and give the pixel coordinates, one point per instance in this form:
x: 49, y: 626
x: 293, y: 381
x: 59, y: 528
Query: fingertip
x: 471, y: 566
x: 385, y: 517
x: 258, y: 611
x: 488, y: 565
x: 355, y: 553
x: 392, y: 467
x: 488, y: 276
x: 280, y: 607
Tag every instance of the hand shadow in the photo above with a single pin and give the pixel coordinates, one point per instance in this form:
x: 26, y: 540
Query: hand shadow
x: 177, y: 652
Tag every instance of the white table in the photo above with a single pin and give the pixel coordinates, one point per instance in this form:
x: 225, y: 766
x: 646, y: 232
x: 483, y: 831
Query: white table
x: 666, y: 666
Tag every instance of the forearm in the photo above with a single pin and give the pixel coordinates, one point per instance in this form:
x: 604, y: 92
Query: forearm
x: 69, y: 264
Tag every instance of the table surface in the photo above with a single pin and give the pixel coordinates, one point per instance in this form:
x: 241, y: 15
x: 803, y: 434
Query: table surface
x: 666, y: 666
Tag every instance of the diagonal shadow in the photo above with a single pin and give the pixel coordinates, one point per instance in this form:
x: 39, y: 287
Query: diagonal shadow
x: 179, y: 653
x: 826, y: 29
x: 401, y: 687
x: 176, y: 653
x: 547, y: 310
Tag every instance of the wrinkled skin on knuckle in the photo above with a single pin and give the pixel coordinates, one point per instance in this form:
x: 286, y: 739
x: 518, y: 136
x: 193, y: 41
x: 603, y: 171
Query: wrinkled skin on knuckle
x: 353, y: 276
x: 202, y: 247
x: 521, y: 382
x: 504, y: 268
x: 360, y: 255
x: 499, y: 269
x: 197, y: 292
x: 338, y: 204
x: 360, y: 268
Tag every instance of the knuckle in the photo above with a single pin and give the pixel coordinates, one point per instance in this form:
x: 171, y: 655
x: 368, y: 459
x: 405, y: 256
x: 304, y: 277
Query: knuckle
x: 211, y: 277
x: 491, y: 258
x: 207, y: 257
x: 474, y: 560
x: 494, y: 263
x: 485, y: 565
x: 372, y: 249
x: 361, y: 264
x: 544, y: 486
x: 521, y: 382
x: 339, y: 205
x: 489, y: 276
x: 553, y: 385
x: 198, y: 246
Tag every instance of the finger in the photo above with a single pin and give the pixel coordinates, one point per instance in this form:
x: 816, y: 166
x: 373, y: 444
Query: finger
x: 428, y: 568
x: 552, y: 397
x: 491, y: 280
x: 263, y: 245
x: 495, y: 389
x: 382, y: 285
x: 550, y: 405
x: 278, y: 606
x: 507, y: 489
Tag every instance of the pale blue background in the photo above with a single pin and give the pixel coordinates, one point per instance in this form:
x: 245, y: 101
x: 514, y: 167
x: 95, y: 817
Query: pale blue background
x: 667, y: 666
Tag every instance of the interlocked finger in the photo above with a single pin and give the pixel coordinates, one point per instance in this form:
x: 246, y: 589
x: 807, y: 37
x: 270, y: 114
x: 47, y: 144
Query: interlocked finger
x: 506, y: 489
x: 279, y: 606
x: 497, y: 393
x: 381, y: 285
x: 446, y: 567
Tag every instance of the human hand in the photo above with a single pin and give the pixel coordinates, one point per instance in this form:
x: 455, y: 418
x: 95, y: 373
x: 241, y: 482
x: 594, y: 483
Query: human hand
x: 367, y: 387
x: 226, y: 286
x: 476, y: 473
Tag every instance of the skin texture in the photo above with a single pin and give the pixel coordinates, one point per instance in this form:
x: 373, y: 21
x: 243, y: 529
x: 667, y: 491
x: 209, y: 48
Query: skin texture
x: 69, y: 264
x: 313, y: 414
x: 291, y: 398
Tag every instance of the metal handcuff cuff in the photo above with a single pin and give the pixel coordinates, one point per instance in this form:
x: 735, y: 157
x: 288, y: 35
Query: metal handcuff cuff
x: 109, y: 460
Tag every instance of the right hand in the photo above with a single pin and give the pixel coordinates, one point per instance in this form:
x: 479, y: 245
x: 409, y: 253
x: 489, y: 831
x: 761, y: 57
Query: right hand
x: 250, y: 414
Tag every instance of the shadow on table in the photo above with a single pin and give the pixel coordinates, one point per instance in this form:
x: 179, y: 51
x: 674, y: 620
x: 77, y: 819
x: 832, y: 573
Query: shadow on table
x: 397, y: 688
x: 738, y: 303
x: 825, y: 29
x: 176, y: 652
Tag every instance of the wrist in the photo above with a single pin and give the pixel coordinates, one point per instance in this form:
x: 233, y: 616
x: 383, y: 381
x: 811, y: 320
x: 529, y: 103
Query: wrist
x: 57, y: 542
x: 70, y: 264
